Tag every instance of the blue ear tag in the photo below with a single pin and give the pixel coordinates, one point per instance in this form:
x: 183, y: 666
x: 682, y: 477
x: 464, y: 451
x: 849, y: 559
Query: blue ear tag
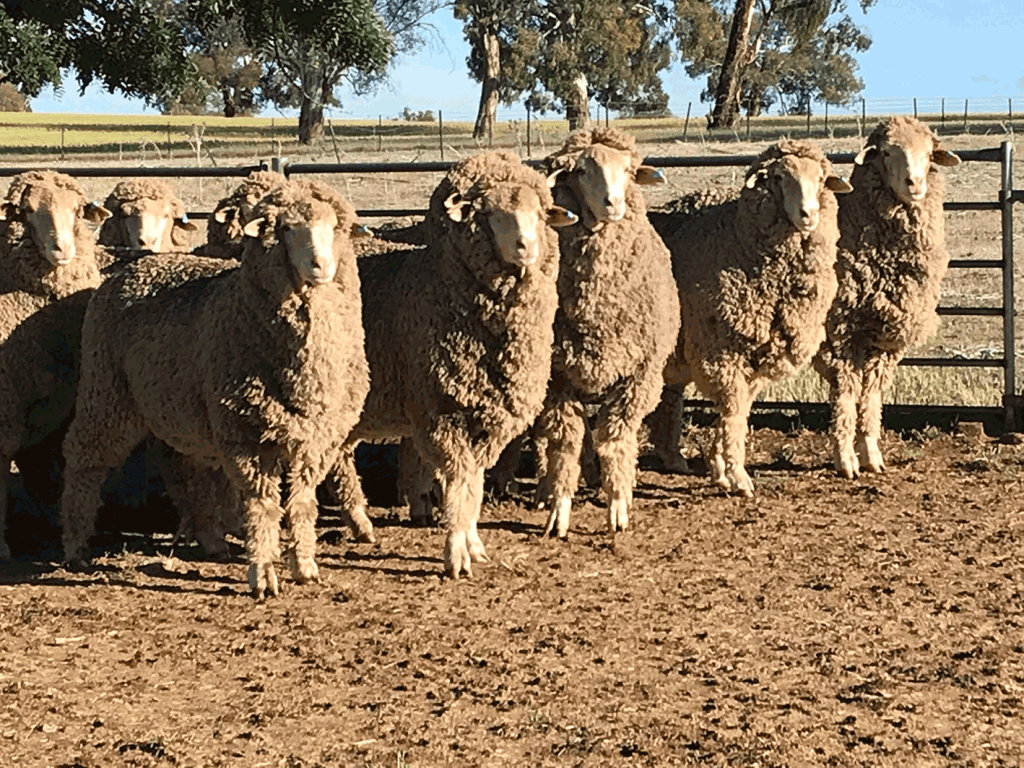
x: 658, y: 174
x: 184, y: 218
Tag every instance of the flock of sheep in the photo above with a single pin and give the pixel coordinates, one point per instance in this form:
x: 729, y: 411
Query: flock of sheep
x: 545, y: 303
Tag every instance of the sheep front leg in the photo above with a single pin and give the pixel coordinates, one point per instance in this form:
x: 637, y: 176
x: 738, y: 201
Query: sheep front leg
x: 735, y: 413
x: 301, y: 511
x: 617, y: 448
x: 876, y: 374
x: 462, y: 493
x: 844, y: 395
x: 416, y: 481
x: 562, y: 425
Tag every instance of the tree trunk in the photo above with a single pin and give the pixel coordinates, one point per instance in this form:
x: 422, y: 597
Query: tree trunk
x: 488, y: 110
x: 311, y: 120
x: 730, y: 79
x: 577, y: 106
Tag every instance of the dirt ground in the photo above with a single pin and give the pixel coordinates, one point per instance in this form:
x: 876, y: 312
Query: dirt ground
x: 824, y: 622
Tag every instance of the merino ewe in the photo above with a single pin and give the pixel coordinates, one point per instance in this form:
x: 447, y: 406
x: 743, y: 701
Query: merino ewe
x: 255, y: 369
x: 617, y: 321
x: 224, y: 230
x: 756, y: 277
x: 892, y: 258
x: 459, y: 337
x: 145, y: 216
x: 48, y: 272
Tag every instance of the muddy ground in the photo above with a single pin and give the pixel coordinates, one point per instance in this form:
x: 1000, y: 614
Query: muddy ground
x: 875, y: 622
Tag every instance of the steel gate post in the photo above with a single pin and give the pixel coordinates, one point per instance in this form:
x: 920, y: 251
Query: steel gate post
x: 1006, y: 199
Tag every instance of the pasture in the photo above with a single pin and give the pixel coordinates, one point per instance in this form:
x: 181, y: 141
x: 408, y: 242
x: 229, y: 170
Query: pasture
x: 823, y: 622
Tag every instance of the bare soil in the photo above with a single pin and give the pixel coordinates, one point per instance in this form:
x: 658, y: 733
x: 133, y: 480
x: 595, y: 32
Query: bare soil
x: 824, y: 622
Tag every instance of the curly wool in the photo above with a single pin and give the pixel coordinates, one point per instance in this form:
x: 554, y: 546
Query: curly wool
x: 224, y: 239
x: 131, y: 191
x: 753, y: 290
x: 892, y: 257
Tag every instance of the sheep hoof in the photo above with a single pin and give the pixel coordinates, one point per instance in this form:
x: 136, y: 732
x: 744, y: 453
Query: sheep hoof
x: 477, y: 553
x: 673, y: 462
x: 618, y: 516
x: 847, y: 468
x: 263, y: 580
x: 457, y: 558
x: 558, y: 518
x: 304, y: 570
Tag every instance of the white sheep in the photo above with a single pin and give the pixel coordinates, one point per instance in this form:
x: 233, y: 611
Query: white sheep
x: 891, y: 261
x: 617, y: 321
x: 255, y: 369
x: 756, y: 277
x: 145, y: 216
x: 48, y: 270
x: 459, y: 337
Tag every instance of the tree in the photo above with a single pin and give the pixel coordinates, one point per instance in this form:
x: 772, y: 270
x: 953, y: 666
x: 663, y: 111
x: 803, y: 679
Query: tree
x: 123, y: 44
x: 755, y: 52
x: 310, y: 45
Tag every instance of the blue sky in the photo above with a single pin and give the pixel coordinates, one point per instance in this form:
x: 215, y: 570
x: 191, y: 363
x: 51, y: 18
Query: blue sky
x: 921, y: 48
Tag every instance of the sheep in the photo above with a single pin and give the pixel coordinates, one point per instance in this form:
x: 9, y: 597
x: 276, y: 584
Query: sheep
x: 756, y: 277
x: 230, y: 215
x: 617, y: 321
x: 892, y: 257
x: 145, y: 216
x: 49, y: 271
x: 256, y: 369
x: 459, y: 338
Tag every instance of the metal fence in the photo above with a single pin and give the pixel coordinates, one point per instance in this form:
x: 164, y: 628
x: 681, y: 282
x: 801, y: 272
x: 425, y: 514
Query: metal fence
x: 1003, y: 201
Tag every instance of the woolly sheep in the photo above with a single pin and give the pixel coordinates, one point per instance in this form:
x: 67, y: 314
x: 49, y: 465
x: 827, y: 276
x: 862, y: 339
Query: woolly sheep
x: 617, y: 321
x: 459, y: 337
x: 227, y: 222
x: 756, y: 277
x: 145, y: 216
x: 48, y: 272
x: 255, y: 369
x: 891, y: 260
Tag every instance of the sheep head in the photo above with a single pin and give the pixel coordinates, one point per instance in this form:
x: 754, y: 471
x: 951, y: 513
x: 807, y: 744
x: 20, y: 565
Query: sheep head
x: 600, y: 165
x: 800, y: 172
x: 152, y: 217
x: 314, y: 232
x: 905, y: 148
x: 49, y: 206
x: 516, y: 216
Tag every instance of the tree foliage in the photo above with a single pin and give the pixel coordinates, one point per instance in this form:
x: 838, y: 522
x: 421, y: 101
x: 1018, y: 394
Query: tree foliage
x: 126, y: 45
x: 560, y: 52
x: 12, y: 100
x: 794, y: 52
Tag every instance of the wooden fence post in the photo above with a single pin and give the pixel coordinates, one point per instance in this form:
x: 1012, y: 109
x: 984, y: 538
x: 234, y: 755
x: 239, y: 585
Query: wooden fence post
x: 440, y: 131
x: 965, y: 115
x: 380, y: 132
x: 915, y: 108
x: 686, y: 125
x: 528, y: 147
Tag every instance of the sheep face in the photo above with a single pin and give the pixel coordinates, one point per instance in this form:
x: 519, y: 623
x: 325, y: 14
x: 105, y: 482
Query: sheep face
x: 50, y: 215
x: 906, y: 149
x: 516, y: 218
x: 148, y: 222
x: 307, y: 232
x: 604, y: 174
x: 801, y: 181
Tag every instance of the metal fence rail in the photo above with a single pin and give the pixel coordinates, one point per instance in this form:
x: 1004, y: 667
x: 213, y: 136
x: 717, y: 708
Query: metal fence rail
x: 1004, y: 201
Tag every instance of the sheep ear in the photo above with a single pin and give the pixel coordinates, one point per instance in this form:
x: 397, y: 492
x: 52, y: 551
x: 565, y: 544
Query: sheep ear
x: 7, y: 211
x: 646, y: 175
x: 254, y: 227
x: 456, y: 206
x: 944, y: 157
x: 360, y: 231
x: 185, y: 224
x: 838, y: 184
x: 95, y: 213
x: 553, y: 177
x: 561, y: 217
x: 221, y: 215
x: 752, y: 179
x: 863, y: 154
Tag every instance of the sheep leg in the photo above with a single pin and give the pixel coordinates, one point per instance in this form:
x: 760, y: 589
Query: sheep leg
x: 97, y: 441
x: 5, y: 475
x: 416, y: 481
x: 735, y: 413
x: 343, y: 482
x: 845, y: 395
x: 876, y: 373
x: 261, y: 499
x: 301, y: 511
x: 665, y: 426
x: 503, y: 474
x: 462, y: 493
x: 617, y: 447
x: 562, y: 425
